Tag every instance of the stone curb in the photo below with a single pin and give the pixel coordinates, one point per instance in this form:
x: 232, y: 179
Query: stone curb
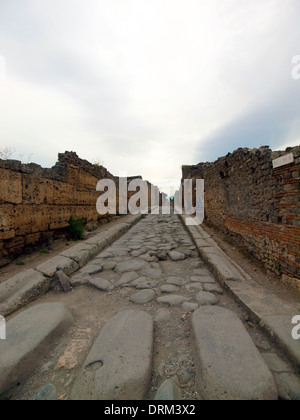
x: 272, y: 314
x: 28, y: 285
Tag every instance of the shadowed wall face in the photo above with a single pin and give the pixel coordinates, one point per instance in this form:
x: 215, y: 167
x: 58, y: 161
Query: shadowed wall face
x: 257, y: 206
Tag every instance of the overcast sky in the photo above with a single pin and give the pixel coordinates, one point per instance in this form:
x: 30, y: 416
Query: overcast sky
x: 148, y: 85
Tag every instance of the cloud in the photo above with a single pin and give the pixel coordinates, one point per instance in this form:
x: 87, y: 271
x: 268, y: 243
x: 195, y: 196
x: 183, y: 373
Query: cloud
x: 148, y: 86
x: 267, y: 124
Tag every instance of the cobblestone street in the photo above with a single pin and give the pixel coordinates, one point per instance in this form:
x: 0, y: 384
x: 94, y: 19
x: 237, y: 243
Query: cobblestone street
x: 151, y: 321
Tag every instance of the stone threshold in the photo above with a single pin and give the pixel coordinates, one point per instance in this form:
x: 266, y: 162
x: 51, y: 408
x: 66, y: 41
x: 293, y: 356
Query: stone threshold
x: 28, y: 285
x: 272, y: 314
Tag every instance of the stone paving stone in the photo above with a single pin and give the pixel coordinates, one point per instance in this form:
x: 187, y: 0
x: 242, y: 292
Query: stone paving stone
x: 176, y: 281
x: 169, y: 288
x: 212, y: 288
x: 119, y: 366
x: 206, y: 299
x: 198, y: 287
x: 176, y: 256
x: 144, y: 296
x: 154, y: 273
x: 91, y: 269
x: 190, y: 307
x: 127, y: 278
x: 172, y: 300
x: 101, y: 284
x: 228, y: 365
x: 131, y: 265
x: 147, y: 284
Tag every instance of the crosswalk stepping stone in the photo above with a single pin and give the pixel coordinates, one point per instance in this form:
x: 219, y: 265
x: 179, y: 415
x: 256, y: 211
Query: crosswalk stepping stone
x: 228, y: 365
x: 119, y: 365
x: 29, y: 338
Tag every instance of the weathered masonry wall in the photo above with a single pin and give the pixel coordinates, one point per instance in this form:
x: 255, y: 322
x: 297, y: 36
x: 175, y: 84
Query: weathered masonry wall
x: 35, y: 201
x: 257, y: 206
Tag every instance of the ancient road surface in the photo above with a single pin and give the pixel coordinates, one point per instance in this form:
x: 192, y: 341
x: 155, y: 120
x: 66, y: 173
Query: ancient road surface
x: 147, y: 311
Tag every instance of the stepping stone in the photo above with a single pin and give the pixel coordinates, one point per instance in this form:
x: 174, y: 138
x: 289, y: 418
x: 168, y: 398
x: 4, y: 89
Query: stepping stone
x: 169, y: 288
x: 168, y: 391
x: 206, y: 299
x: 101, y: 284
x: 30, y: 336
x: 176, y: 281
x: 91, y: 269
x: 176, y: 256
x: 172, y: 300
x: 228, y: 365
x: 132, y: 265
x: 190, y: 307
x: 145, y: 296
x: 127, y: 278
x: 119, y: 366
x: 21, y: 289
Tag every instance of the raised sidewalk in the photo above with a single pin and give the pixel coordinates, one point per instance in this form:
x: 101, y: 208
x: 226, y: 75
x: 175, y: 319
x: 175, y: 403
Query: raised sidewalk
x: 28, y: 285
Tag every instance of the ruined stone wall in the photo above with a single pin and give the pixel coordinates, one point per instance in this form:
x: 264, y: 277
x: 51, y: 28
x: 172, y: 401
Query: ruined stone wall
x: 256, y: 206
x: 35, y: 201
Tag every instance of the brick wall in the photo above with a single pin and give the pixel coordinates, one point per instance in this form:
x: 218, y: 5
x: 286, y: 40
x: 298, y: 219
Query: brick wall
x: 256, y: 206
